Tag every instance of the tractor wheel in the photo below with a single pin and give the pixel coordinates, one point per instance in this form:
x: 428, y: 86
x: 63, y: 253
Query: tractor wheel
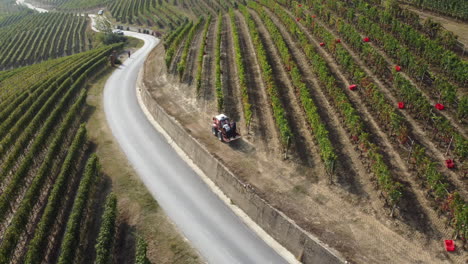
x: 220, y: 136
x: 213, y: 130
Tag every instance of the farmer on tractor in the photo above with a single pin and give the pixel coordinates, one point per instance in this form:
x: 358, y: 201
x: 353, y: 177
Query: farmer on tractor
x: 224, y: 129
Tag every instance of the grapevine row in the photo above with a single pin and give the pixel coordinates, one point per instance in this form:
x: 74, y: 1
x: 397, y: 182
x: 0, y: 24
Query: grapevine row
x: 183, y: 61
x: 427, y: 169
x: 105, y: 240
x: 175, y: 44
x: 414, y: 98
x: 318, y: 129
x: 22, y: 214
x: 38, y: 244
x: 71, y: 237
x: 247, y: 107
x: 201, y: 54
x: 352, y: 120
x: 272, y: 90
x: 218, y: 82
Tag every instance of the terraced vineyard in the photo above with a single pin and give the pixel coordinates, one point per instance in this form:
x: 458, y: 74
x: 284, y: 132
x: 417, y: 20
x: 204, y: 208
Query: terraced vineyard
x: 28, y: 37
x: 73, y: 5
x: 48, y: 179
x: 353, y: 95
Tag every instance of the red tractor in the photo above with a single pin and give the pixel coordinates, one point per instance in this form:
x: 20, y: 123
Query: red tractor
x: 225, y: 130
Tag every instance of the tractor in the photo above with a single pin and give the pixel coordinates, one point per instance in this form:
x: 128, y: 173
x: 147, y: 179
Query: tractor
x: 224, y: 129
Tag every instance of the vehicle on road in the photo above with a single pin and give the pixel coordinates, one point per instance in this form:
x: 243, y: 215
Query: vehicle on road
x: 100, y: 12
x: 118, y: 32
x: 224, y: 129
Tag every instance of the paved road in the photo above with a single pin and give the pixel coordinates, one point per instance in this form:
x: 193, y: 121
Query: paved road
x: 212, y: 228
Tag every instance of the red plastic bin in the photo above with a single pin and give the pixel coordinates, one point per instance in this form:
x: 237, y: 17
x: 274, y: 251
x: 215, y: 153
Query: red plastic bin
x: 397, y: 68
x: 353, y: 87
x: 439, y: 106
x: 449, y: 164
x: 322, y: 44
x: 401, y: 105
x: 449, y: 245
x: 366, y: 39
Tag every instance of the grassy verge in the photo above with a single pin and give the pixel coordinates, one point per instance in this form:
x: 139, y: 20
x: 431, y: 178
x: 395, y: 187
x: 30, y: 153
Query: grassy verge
x: 136, y: 205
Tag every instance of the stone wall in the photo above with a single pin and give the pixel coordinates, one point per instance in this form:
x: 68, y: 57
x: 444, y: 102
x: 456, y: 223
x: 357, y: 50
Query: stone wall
x: 302, y: 244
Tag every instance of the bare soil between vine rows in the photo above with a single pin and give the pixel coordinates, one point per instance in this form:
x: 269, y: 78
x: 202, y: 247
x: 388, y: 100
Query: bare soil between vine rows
x: 352, y: 220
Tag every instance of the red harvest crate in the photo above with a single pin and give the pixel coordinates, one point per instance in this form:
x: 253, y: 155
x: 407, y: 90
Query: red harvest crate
x: 338, y: 40
x: 449, y: 164
x: 366, y: 39
x: 439, y: 106
x: 397, y: 68
x: 449, y: 245
x: 401, y: 105
x: 353, y: 87
x: 322, y: 44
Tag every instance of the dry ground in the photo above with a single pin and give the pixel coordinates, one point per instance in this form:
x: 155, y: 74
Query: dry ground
x: 353, y: 223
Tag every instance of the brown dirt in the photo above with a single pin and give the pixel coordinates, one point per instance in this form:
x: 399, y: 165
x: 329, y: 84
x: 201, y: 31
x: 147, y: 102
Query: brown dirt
x: 262, y: 123
x: 192, y: 57
x: 206, y: 94
x: 230, y: 81
x: 356, y: 225
x: 302, y: 142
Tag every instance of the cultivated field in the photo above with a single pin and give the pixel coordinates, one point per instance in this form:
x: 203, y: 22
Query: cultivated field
x: 353, y: 117
x: 367, y: 104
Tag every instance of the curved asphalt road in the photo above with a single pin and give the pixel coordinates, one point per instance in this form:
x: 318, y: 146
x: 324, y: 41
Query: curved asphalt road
x: 218, y: 234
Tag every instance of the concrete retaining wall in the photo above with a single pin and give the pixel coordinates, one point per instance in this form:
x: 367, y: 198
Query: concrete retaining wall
x: 279, y: 226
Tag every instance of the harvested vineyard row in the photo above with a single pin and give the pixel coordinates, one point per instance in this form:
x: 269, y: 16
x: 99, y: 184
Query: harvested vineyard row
x: 201, y: 54
x: 276, y: 104
x: 41, y: 32
x: 228, y: 73
x: 352, y: 120
x: 318, y: 129
x: 183, y: 61
x: 247, y: 107
x: 436, y: 182
x: 218, y: 83
x: 174, y: 45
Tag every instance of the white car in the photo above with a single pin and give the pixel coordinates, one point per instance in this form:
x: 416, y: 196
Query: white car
x: 118, y: 32
x: 100, y: 12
